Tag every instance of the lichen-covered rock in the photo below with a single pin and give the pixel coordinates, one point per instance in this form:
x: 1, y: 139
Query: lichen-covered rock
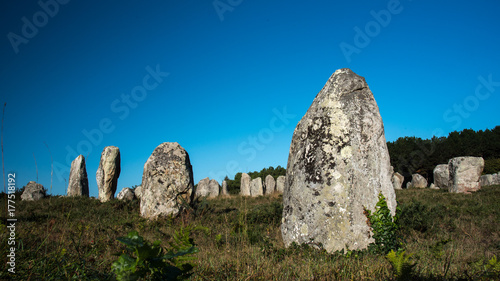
x: 245, y: 185
x: 280, y: 184
x: 418, y: 181
x: 465, y: 173
x: 441, y: 176
x: 33, y: 192
x: 270, y: 184
x: 126, y: 194
x: 202, y: 189
x: 224, y: 189
x: 108, y: 173
x: 256, y: 188
x: 78, y: 181
x: 397, y: 180
x: 167, y: 181
x: 338, y: 164
x: 214, y: 188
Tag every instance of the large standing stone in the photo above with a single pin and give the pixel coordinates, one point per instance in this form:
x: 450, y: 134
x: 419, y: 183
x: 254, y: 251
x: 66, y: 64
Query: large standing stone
x: 224, y: 189
x: 256, y: 188
x: 280, y: 184
x: 33, y: 192
x: 397, y: 180
x: 465, y: 173
x: 418, y: 181
x: 214, y: 188
x: 126, y: 194
x: 108, y: 173
x: 270, y: 184
x: 441, y: 176
x: 202, y: 189
x: 167, y: 181
x: 337, y: 165
x: 245, y: 185
x: 78, y: 181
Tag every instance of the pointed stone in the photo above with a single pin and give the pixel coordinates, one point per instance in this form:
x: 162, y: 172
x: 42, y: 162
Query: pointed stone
x: 256, y: 188
x: 224, y: 189
x: 337, y: 166
x: 108, y: 172
x: 214, y: 188
x: 78, y: 181
x: 280, y: 184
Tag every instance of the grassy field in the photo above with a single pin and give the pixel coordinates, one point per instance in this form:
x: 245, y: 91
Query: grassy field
x: 451, y: 237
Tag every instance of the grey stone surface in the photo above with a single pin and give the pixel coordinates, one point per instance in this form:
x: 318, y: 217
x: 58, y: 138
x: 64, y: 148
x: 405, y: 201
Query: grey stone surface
x: 224, y: 189
x: 245, y: 185
x: 397, y: 180
x: 214, y: 188
x: 138, y: 192
x: 337, y: 165
x: 126, y: 194
x: 418, y: 181
x: 203, y: 189
x: 167, y: 181
x: 78, y: 184
x: 33, y: 192
x: 441, y: 176
x: 270, y: 185
x: 490, y: 179
x: 280, y: 184
x: 465, y: 173
x: 108, y: 172
x: 256, y: 188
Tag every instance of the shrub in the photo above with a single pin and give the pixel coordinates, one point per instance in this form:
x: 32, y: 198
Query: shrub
x: 384, y: 227
x: 401, y: 264
x: 144, y: 259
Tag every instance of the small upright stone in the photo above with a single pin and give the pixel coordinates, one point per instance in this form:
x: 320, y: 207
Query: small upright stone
x: 202, y: 189
x: 465, y: 173
x: 397, y: 180
x: 167, y: 181
x: 78, y: 181
x: 33, y: 192
x: 270, y: 184
x: 224, y: 189
x: 417, y: 181
x: 214, y: 188
x: 127, y: 194
x: 280, y: 184
x: 256, y: 188
x: 108, y: 173
x: 245, y: 185
x: 441, y: 176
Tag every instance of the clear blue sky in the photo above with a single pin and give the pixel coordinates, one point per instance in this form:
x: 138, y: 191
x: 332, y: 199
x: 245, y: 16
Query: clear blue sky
x: 229, y: 79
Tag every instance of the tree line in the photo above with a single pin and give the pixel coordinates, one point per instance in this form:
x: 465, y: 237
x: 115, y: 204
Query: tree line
x: 410, y: 155
x: 233, y: 186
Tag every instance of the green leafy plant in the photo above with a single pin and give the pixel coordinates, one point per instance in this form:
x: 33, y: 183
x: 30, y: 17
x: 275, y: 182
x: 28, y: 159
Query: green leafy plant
x: 384, y: 227
x: 401, y: 264
x: 145, y: 260
x: 490, y: 269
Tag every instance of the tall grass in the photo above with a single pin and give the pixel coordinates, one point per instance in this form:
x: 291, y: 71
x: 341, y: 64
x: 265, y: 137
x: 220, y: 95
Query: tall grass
x: 450, y: 237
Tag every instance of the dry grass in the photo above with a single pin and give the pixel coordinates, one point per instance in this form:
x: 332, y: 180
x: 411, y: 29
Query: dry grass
x: 64, y: 238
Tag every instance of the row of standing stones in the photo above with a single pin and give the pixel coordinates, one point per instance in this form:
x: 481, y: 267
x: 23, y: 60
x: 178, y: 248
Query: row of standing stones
x: 460, y: 175
x: 338, y: 164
